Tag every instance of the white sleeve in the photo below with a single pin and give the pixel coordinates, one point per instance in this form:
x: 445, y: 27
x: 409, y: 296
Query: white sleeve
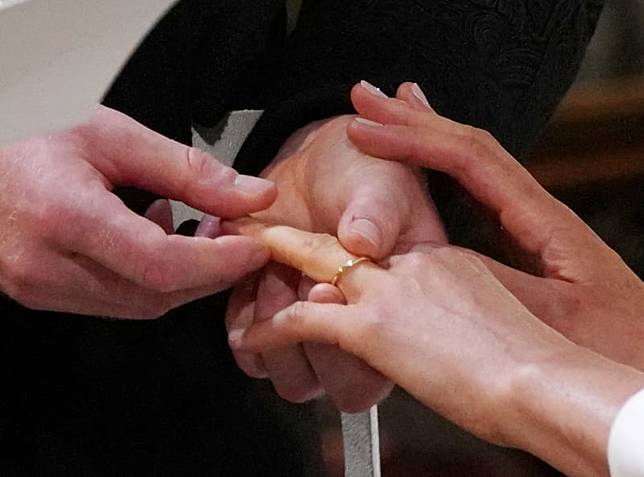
x: 626, y: 440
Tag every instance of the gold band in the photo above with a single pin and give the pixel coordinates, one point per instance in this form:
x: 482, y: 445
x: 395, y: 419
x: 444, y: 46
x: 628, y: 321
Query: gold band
x: 349, y: 264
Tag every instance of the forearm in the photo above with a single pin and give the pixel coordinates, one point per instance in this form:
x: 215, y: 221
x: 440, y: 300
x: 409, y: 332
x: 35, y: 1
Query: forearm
x: 564, y: 409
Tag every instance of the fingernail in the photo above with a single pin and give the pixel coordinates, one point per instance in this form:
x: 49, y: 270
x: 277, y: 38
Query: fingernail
x: 367, y: 122
x: 252, y: 185
x: 367, y: 229
x: 208, y: 227
x: 418, y: 92
x: 372, y: 89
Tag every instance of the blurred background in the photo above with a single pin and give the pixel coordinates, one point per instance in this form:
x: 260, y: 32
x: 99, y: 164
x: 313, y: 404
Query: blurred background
x: 591, y: 156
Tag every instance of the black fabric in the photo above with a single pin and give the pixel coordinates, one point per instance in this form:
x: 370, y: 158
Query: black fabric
x: 91, y: 397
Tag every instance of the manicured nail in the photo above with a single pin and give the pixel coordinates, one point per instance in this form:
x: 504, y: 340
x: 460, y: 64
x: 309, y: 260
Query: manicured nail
x: 368, y: 122
x: 372, y: 89
x: 367, y: 229
x: 252, y: 185
x: 418, y: 92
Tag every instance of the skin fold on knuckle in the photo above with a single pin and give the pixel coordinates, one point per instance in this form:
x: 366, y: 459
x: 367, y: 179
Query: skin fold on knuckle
x: 477, y: 142
x: 293, y: 320
x: 204, y: 171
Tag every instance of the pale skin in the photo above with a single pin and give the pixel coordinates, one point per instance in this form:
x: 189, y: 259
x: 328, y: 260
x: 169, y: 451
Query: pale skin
x: 440, y: 322
x: 68, y: 244
x: 375, y: 207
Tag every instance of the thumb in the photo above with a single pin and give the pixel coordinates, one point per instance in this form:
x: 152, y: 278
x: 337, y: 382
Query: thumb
x: 128, y: 153
x: 371, y: 222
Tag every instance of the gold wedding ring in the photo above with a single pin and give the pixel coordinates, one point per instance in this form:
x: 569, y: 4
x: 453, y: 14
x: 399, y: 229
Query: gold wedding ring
x: 348, y: 265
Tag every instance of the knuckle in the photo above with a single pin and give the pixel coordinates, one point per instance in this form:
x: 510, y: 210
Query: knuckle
x: 374, y: 325
x: 295, y: 313
x: 476, y: 141
x: 156, y: 275
x: 320, y: 244
x: 419, y: 261
x: 203, y: 166
x: 21, y: 281
x: 197, y: 161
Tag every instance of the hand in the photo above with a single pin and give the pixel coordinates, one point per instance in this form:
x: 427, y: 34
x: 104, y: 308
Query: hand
x: 374, y: 207
x: 438, y: 323
x: 68, y: 244
x: 581, y: 287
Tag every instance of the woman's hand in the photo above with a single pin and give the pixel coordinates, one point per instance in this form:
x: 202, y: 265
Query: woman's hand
x: 580, y: 286
x: 437, y: 322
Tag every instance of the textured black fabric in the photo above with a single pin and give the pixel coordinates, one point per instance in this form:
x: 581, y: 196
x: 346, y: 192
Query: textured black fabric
x: 499, y: 65
x: 85, y: 396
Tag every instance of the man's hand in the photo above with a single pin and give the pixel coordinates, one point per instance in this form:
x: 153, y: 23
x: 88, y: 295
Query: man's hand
x: 375, y: 207
x: 578, y: 285
x: 68, y: 244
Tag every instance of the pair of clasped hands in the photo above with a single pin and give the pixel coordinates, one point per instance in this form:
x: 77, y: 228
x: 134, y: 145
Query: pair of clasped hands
x: 455, y: 328
x: 541, y: 361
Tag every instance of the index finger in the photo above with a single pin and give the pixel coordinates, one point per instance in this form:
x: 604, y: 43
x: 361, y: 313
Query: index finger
x: 318, y: 256
x: 139, y: 250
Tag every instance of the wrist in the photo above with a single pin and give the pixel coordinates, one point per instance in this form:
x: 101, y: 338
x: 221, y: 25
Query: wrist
x: 563, y: 406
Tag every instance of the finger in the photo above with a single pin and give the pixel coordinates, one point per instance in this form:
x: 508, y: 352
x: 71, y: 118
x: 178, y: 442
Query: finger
x: 372, y: 221
x: 208, y: 227
x: 318, y: 256
x: 413, y: 95
x: 396, y: 111
x: 82, y: 286
x: 130, y: 154
x: 140, y: 251
x: 326, y: 293
x: 302, y: 321
x: 160, y: 212
x: 350, y: 383
x: 381, y: 211
x: 288, y: 367
x: 240, y: 315
x: 304, y: 288
x: 381, y: 109
x: 489, y: 173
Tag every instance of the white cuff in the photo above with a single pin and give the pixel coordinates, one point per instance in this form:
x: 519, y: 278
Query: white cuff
x: 626, y: 440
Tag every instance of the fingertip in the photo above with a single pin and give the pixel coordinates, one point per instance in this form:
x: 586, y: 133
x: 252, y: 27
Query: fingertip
x: 235, y: 339
x: 160, y: 212
x: 260, y: 193
x: 243, y: 251
x: 361, y: 237
x: 277, y: 290
x: 364, y: 235
x: 209, y: 227
x: 404, y: 90
x: 326, y: 293
x: 250, y: 363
